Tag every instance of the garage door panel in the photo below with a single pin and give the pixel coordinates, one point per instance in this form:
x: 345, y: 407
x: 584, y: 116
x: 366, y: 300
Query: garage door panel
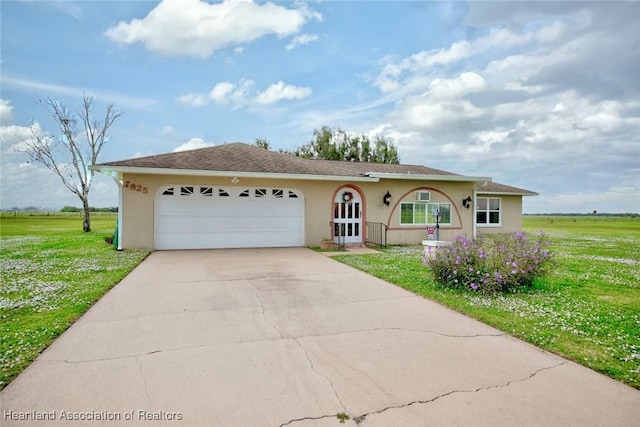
x: 228, y: 218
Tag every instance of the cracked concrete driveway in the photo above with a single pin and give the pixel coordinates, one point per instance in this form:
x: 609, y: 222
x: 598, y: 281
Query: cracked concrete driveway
x: 289, y: 337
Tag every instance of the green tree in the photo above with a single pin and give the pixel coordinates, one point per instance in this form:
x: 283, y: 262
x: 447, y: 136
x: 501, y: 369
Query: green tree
x: 70, y: 209
x: 384, y: 152
x: 337, y: 144
x: 262, y: 142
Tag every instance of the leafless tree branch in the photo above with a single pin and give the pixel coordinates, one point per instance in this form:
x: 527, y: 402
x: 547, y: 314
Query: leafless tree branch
x: 70, y: 154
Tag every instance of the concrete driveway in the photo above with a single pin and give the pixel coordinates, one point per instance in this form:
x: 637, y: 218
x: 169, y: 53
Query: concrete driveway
x: 289, y: 337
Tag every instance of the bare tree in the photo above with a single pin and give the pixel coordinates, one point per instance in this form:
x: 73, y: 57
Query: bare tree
x: 78, y: 146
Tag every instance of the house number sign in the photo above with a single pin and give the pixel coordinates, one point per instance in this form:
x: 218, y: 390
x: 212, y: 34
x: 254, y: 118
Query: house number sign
x: 136, y: 187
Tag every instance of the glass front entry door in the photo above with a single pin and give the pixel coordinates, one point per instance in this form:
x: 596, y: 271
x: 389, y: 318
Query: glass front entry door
x: 347, y: 217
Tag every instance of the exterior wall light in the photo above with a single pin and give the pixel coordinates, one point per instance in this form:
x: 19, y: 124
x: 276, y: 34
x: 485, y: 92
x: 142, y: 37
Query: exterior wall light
x: 467, y: 202
x: 386, y: 199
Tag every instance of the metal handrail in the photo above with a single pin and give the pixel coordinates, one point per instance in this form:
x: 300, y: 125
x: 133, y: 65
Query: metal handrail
x: 377, y: 233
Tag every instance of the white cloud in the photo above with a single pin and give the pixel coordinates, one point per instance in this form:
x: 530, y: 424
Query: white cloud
x: 240, y: 95
x: 167, y: 130
x: 301, y: 40
x: 197, y: 28
x: 13, y: 137
x: 40, y: 87
x: 193, y: 144
x: 447, y: 89
x: 549, y: 105
x: 6, y: 112
x: 221, y: 91
x: 193, y: 99
x: 35, y: 184
x: 396, y: 75
x: 70, y: 8
x: 279, y: 91
x: 24, y: 182
x: 244, y: 94
x: 442, y: 106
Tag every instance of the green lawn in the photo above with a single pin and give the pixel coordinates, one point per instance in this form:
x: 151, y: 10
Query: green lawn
x: 587, y: 309
x: 51, y: 272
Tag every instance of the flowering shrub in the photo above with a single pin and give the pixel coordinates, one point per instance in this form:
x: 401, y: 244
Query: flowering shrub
x: 502, y: 263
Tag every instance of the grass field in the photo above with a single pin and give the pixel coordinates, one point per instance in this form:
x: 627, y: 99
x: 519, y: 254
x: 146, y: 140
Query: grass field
x: 587, y: 309
x: 51, y: 272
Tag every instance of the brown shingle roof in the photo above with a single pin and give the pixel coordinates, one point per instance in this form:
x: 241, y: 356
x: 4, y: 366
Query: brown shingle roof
x: 240, y: 157
x: 494, y: 187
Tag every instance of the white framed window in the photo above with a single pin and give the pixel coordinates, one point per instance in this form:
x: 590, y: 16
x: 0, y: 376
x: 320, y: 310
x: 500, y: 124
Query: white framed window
x: 489, y: 211
x: 423, y: 196
x: 424, y: 213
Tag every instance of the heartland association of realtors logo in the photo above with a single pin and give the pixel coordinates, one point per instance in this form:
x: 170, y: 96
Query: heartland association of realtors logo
x: 55, y: 415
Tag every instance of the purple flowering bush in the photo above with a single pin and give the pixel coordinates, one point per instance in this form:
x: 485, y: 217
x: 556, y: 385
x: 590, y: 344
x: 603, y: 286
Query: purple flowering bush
x: 500, y: 263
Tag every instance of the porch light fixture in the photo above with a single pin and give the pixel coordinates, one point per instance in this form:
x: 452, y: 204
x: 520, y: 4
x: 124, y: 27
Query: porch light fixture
x: 386, y: 199
x: 467, y: 202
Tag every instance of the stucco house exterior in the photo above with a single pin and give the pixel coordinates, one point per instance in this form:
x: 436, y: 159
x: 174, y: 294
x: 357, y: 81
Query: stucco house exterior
x: 239, y: 195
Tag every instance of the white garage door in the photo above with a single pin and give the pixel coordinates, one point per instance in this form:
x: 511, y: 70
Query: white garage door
x: 202, y: 217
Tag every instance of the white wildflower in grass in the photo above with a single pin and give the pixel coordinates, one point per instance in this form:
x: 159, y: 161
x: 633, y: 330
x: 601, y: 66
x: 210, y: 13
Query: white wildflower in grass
x: 47, y: 282
x: 31, y: 294
x: 586, y: 306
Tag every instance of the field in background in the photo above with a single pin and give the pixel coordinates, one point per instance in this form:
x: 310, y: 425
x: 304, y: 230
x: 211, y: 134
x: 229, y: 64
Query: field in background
x: 587, y: 309
x: 49, y: 223
x: 584, y: 225
x: 51, y: 272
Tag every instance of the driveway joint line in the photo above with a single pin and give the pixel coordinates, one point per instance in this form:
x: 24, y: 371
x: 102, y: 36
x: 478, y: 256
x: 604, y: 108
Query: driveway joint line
x: 82, y: 320
x: 280, y: 337
x: 495, y: 335
x: 172, y: 313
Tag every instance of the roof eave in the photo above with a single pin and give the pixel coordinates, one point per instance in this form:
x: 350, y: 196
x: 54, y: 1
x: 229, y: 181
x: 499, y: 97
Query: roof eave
x: 509, y: 193
x: 422, y: 177
x: 108, y: 170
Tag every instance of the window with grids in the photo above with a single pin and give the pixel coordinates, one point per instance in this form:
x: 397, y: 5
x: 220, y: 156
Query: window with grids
x: 424, y: 213
x: 488, y: 211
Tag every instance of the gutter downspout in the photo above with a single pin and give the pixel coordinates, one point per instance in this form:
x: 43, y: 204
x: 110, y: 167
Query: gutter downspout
x: 118, y: 181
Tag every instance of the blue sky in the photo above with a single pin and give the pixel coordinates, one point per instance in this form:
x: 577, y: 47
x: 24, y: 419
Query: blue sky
x: 540, y: 95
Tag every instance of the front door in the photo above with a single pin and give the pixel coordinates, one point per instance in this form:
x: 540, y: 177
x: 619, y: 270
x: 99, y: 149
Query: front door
x: 347, y: 217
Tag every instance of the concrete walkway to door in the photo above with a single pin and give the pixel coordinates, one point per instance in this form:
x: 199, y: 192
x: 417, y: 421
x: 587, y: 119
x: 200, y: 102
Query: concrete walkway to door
x: 289, y: 337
